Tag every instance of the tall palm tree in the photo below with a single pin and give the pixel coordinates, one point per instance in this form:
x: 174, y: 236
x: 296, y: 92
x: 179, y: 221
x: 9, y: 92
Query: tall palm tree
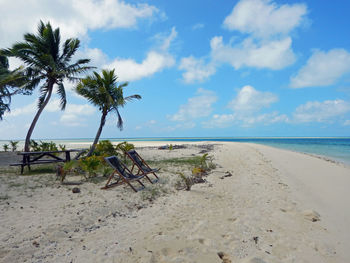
x: 11, y: 83
x: 47, y: 65
x: 104, y: 92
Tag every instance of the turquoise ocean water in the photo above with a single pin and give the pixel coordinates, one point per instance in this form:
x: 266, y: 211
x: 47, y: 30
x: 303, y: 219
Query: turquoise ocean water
x: 337, y: 149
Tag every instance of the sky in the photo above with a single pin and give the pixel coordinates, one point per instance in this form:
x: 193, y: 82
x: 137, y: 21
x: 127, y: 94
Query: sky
x: 203, y: 68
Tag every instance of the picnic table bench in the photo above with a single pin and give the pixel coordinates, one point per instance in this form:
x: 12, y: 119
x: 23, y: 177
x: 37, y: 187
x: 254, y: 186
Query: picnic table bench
x: 29, y: 158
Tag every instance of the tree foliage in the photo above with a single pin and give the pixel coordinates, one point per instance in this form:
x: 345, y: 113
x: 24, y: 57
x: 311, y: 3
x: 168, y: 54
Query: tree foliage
x: 104, y: 92
x: 47, y: 64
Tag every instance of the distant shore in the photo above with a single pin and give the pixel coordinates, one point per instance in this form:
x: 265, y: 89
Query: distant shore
x: 259, y: 203
x: 331, y: 148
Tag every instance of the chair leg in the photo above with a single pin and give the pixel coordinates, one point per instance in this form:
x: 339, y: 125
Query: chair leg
x: 133, y: 188
x: 141, y: 183
x: 156, y: 176
x: 149, y: 179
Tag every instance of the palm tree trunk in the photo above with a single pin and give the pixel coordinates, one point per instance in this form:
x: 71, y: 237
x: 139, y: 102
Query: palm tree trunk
x: 31, y: 128
x: 98, y: 134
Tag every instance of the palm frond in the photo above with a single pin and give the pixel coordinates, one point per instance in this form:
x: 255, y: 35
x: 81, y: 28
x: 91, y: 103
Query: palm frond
x: 62, y: 94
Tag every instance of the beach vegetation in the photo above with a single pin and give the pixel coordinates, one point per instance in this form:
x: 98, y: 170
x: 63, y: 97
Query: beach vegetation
x: 104, y: 148
x: 90, y: 165
x: 104, y: 91
x: 152, y: 192
x: 11, y: 83
x: 14, y: 145
x: 124, y: 147
x: 45, y: 146
x: 188, y: 161
x: 6, y: 147
x: 185, y: 182
x: 4, y: 197
x: 47, y: 65
x: 41, y: 169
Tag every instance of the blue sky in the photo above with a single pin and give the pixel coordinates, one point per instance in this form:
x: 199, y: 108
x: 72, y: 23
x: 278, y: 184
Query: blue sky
x: 203, y: 68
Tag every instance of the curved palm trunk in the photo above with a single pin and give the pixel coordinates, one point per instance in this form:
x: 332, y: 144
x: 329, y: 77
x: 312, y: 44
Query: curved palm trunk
x: 98, y: 134
x: 31, y: 128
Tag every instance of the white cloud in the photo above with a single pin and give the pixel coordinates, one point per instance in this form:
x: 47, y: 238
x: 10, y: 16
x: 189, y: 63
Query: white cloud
x: 167, y: 40
x: 155, y: 61
x: 220, y: 121
x: 71, y: 116
x: 180, y: 126
x: 25, y: 110
x: 196, y: 107
x: 250, y: 100
x: 197, y: 26
x: 346, y: 123
x: 227, y: 120
x: 326, y: 111
x: 268, y: 44
x: 74, y: 113
x: 322, y: 69
x: 246, y: 107
x: 273, y: 55
x: 129, y: 69
x: 264, y: 18
x: 196, y: 69
x: 265, y: 119
x: 74, y: 18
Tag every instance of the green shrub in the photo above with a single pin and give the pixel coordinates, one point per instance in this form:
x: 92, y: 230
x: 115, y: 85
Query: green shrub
x: 124, y: 147
x: 14, y: 145
x: 5, y: 147
x: 185, y: 182
x: 45, y: 146
x: 104, y: 148
x: 90, y: 165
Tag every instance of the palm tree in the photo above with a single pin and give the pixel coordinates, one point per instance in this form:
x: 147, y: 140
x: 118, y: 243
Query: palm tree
x: 46, y: 65
x: 104, y: 92
x: 11, y: 83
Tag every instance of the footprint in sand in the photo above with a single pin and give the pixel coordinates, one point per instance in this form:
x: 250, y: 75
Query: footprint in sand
x: 204, y: 241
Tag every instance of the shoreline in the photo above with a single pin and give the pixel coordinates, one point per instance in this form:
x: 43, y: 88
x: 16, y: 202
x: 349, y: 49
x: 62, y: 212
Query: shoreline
x: 277, y: 206
x: 323, y: 154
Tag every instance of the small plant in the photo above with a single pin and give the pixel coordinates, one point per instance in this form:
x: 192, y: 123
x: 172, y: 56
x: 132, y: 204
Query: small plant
x: 14, y: 145
x: 198, y: 171
x: 45, y: 146
x: 62, y: 147
x: 90, y: 165
x: 150, y: 194
x: 184, y: 182
x: 34, y: 146
x: 6, y: 147
x: 48, y: 146
x: 68, y: 167
x: 104, y: 148
x: 206, y: 163
x: 106, y: 170
x: 171, y: 147
x: 124, y: 147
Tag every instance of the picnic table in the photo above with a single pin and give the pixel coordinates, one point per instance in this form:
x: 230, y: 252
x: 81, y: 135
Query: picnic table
x: 44, y: 157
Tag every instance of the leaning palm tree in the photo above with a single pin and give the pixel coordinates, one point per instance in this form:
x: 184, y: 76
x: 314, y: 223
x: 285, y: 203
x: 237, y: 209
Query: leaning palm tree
x: 47, y: 65
x: 104, y: 92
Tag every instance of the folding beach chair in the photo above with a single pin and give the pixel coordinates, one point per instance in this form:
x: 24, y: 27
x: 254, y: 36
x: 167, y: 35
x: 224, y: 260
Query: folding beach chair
x: 141, y: 165
x: 124, y: 174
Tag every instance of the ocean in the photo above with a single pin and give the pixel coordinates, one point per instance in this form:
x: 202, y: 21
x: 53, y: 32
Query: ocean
x: 334, y: 148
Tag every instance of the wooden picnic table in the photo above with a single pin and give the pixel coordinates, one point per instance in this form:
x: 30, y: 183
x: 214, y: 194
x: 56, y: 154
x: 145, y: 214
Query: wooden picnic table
x: 44, y: 157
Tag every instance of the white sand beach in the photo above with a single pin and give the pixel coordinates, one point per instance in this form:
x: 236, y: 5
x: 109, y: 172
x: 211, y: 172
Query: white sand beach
x: 260, y: 204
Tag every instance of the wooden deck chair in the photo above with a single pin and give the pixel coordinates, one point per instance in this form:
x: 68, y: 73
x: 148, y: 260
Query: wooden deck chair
x: 124, y: 174
x: 141, y: 165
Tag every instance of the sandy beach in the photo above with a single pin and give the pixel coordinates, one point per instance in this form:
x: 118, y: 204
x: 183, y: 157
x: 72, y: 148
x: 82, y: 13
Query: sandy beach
x: 259, y: 204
